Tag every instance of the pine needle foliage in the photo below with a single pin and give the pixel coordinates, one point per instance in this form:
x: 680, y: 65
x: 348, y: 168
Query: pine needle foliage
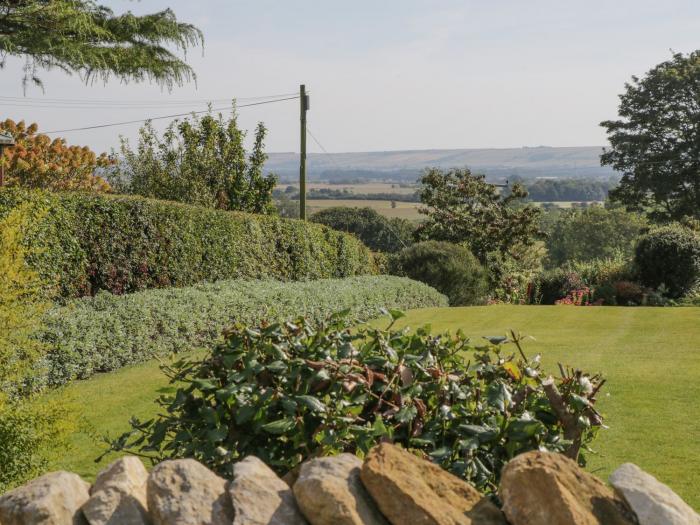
x: 85, y: 37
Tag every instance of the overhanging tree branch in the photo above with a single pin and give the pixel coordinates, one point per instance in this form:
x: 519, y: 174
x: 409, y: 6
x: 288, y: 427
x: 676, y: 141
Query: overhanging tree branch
x: 84, y: 37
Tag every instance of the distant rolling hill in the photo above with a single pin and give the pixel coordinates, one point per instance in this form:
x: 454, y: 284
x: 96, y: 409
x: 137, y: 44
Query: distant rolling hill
x: 526, y: 162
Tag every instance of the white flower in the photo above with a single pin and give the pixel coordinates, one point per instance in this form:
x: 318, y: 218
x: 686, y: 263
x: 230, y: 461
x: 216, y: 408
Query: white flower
x: 586, y: 385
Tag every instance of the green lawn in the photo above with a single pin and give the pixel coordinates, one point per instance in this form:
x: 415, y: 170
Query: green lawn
x: 651, y: 357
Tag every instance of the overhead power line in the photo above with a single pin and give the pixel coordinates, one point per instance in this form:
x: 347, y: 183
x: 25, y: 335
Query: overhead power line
x: 318, y: 143
x: 108, y: 102
x: 330, y: 156
x: 174, y: 115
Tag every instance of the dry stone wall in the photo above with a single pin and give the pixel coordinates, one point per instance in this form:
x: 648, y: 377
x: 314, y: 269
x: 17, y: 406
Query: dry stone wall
x: 391, y: 486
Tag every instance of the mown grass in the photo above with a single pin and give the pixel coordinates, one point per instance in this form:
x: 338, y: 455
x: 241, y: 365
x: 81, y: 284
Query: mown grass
x: 651, y: 357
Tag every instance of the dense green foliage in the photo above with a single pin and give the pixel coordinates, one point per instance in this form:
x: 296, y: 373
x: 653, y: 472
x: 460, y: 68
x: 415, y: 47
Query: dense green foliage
x: 85, y: 37
x: 599, y: 271
x: 375, y: 230
x: 285, y: 392
x: 593, y: 233
x: 511, y: 274
x: 449, y: 268
x: 105, y: 332
x: 21, y: 304
x: 581, y: 190
x: 606, y: 277
x: 86, y: 243
x: 464, y: 208
x: 670, y: 255
x: 199, y: 160
x: 655, y: 142
x: 33, y: 432
x: 552, y: 285
x: 286, y: 207
x: 30, y: 431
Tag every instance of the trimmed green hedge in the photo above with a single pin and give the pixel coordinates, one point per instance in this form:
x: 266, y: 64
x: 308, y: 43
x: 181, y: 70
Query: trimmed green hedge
x: 84, y: 243
x: 105, y: 332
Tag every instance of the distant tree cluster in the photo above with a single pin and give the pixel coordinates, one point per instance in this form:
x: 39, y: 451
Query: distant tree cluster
x: 378, y: 232
x: 558, y: 190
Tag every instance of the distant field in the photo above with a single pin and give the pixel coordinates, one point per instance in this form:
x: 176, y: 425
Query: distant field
x: 567, y: 204
x: 405, y: 210
x: 362, y: 187
x: 528, y: 162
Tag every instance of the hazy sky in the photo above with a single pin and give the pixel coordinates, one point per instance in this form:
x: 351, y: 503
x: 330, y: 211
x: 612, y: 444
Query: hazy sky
x: 396, y: 74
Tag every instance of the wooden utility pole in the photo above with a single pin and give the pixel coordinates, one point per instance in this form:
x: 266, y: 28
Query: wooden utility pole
x: 304, y: 107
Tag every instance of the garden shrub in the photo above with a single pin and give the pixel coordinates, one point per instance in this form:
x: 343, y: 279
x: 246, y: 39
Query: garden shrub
x: 449, y: 268
x: 105, y: 332
x: 200, y: 159
x: 669, y: 255
x: 30, y: 431
x: 605, y: 294
x: 511, y: 274
x: 598, y: 275
x: 596, y: 272
x: 378, y: 232
x: 285, y: 392
x: 85, y: 243
x: 33, y: 432
x: 593, y: 233
x: 21, y: 307
x: 556, y: 284
x: 628, y: 293
x: 582, y: 297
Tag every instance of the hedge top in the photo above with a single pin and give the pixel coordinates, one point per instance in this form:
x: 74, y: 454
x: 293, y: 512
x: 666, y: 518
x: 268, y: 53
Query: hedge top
x: 83, y: 243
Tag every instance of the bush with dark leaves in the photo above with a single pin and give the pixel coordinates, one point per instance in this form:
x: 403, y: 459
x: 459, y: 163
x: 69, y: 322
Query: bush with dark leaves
x: 287, y: 392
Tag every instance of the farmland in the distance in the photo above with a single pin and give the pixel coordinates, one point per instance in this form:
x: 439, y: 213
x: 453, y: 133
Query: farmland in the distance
x: 405, y: 210
x: 359, y: 187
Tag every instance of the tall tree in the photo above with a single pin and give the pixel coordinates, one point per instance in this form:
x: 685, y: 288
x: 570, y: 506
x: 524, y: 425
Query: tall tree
x: 85, y: 37
x: 656, y: 141
x: 198, y: 160
x: 464, y: 208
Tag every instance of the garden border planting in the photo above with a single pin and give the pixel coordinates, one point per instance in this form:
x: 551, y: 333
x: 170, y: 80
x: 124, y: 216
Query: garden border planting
x: 106, y: 332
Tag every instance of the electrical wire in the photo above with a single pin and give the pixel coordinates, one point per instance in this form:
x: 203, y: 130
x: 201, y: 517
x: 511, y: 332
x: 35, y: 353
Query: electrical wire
x: 108, y: 102
x: 388, y: 223
x: 126, y: 122
x: 319, y: 144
